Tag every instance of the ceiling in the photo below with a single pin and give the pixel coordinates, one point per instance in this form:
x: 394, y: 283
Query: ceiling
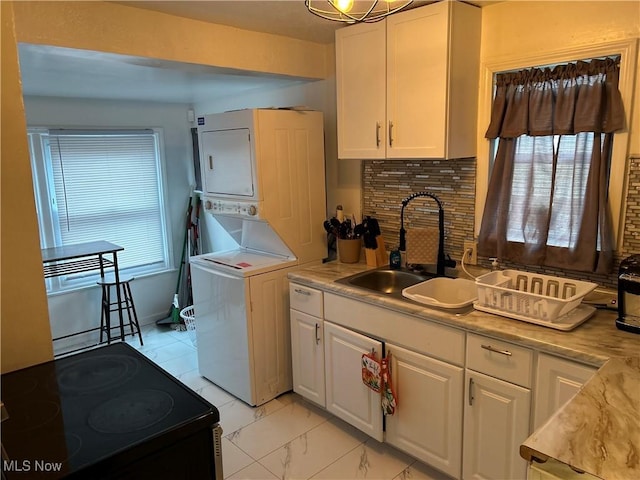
x: 64, y: 72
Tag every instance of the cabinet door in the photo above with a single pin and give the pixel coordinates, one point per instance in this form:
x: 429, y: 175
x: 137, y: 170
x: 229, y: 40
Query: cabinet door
x: 428, y: 421
x: 360, y: 90
x: 557, y: 381
x: 417, y: 53
x: 347, y: 396
x: 226, y: 162
x: 496, y: 422
x: 270, y: 334
x: 307, y: 352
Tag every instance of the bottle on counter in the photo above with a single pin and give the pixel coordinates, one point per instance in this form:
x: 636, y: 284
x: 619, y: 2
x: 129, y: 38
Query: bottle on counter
x: 395, y: 259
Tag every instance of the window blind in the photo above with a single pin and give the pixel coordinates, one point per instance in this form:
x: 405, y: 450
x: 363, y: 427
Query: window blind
x: 106, y: 186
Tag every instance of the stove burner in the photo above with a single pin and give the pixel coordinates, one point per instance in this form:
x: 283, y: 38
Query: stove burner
x: 89, y: 375
x: 31, y: 415
x: 131, y: 412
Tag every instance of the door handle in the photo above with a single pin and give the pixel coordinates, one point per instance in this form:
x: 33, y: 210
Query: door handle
x: 317, y: 332
x: 471, y: 398
x: 378, y: 126
x: 390, y: 133
x: 495, y: 350
x: 210, y: 162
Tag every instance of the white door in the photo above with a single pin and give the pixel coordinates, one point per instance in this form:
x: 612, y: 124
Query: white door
x: 428, y: 421
x: 496, y: 422
x: 417, y: 50
x: 360, y: 90
x: 347, y: 396
x: 557, y: 381
x: 226, y: 162
x: 219, y: 302
x: 307, y: 353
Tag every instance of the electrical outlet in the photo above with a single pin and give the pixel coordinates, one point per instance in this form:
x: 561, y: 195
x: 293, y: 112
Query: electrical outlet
x: 470, y: 258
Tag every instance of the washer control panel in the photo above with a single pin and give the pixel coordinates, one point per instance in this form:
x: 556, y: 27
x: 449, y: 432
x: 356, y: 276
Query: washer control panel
x: 230, y: 207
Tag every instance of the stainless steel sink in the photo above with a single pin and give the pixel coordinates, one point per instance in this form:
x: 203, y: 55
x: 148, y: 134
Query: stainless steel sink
x: 390, y: 282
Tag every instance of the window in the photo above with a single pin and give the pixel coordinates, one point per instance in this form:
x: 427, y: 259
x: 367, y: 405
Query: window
x: 627, y: 50
x: 534, y: 179
x: 101, y: 185
x: 547, y: 196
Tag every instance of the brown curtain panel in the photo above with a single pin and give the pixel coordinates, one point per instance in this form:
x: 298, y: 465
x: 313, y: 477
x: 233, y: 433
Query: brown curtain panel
x: 547, y: 197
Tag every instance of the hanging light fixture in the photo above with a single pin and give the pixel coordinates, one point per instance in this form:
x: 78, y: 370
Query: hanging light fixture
x: 355, y: 11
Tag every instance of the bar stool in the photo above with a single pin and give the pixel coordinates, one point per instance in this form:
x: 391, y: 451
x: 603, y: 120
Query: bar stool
x: 125, y: 304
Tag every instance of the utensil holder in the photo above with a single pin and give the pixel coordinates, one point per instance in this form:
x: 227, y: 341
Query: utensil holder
x: 349, y: 250
x: 376, y: 257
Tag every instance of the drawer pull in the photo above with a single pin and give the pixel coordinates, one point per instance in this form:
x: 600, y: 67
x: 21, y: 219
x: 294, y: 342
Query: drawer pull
x: 378, y: 126
x: 390, y: 133
x: 302, y: 292
x: 495, y: 350
x: 470, y: 391
x: 317, y: 331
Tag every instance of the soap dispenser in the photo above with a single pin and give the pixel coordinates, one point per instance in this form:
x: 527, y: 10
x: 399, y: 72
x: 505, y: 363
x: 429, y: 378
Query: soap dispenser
x: 395, y: 259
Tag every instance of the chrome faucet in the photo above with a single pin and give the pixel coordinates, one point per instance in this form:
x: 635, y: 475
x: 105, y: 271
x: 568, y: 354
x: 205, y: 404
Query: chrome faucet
x: 442, y: 262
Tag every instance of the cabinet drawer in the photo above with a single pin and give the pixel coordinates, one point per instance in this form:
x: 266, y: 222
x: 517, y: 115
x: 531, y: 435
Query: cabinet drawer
x: 499, y: 359
x: 305, y: 299
x: 421, y: 336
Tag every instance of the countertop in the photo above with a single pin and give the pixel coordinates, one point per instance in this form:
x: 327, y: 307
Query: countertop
x: 598, y: 431
x: 593, y: 343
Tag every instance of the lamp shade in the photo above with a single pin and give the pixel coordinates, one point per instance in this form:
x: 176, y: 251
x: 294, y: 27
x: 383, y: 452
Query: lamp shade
x: 355, y: 11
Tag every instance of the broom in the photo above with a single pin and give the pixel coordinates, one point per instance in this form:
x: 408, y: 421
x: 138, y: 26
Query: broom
x: 174, y: 310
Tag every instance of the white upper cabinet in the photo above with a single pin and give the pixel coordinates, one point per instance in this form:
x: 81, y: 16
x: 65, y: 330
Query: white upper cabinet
x: 407, y: 87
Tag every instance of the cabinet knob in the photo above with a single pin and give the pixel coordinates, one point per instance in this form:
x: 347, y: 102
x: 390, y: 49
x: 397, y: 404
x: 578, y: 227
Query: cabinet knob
x: 252, y: 210
x: 208, y: 205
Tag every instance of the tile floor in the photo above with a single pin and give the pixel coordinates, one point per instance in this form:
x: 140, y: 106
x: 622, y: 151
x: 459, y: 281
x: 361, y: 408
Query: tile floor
x: 286, y: 438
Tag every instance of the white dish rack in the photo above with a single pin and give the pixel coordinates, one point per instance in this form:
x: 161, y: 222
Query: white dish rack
x: 535, y: 298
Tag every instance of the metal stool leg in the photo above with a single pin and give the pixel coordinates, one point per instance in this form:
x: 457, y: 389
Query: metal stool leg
x: 108, y: 312
x: 133, y: 320
x: 104, y: 312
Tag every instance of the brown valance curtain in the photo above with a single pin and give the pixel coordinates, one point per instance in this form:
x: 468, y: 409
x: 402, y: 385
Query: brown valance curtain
x: 547, y: 196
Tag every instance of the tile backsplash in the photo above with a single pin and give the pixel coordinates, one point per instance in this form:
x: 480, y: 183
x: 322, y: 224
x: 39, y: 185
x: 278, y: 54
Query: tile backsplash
x: 387, y: 182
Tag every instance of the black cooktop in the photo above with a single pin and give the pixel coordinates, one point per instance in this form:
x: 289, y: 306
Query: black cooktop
x: 70, y: 414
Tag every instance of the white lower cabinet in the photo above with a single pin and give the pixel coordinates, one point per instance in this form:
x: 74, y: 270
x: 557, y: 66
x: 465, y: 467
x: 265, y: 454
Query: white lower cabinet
x: 497, y: 408
x: 428, y: 421
x: 307, y: 352
x: 496, y: 422
x: 347, y: 396
x: 307, y: 342
x: 557, y: 381
x: 466, y: 422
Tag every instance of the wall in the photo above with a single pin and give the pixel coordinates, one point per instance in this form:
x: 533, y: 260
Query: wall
x: 26, y: 339
x: 388, y: 182
x: 112, y: 28
x: 80, y: 309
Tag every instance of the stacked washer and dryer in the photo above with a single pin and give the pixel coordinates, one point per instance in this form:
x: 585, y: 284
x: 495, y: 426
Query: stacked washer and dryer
x: 263, y: 181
